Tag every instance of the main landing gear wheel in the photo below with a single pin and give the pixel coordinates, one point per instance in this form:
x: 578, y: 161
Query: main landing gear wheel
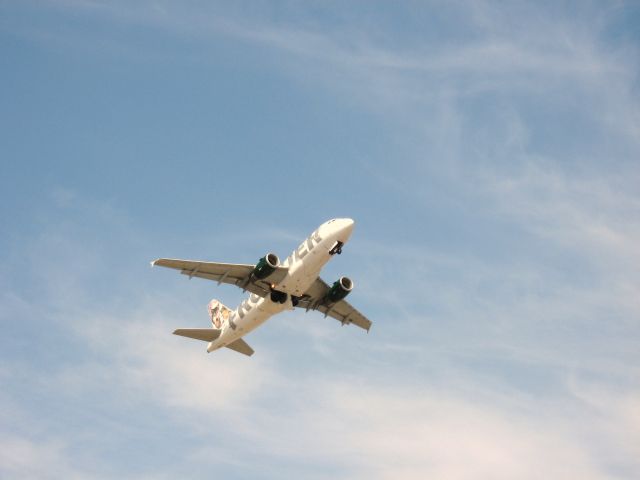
x: 278, y: 297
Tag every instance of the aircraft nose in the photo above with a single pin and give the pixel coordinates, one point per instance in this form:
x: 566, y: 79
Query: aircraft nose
x: 346, y: 227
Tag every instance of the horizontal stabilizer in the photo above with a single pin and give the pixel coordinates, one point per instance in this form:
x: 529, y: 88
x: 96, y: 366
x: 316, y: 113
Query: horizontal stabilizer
x: 241, y: 346
x: 204, y: 334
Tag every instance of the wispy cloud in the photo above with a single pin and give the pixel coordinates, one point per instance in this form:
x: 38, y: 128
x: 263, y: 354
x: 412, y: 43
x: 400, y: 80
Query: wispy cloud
x: 510, y: 360
x: 362, y: 424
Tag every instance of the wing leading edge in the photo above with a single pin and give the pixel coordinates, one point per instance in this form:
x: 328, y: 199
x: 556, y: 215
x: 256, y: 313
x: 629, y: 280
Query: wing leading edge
x: 238, y: 274
x: 316, y: 299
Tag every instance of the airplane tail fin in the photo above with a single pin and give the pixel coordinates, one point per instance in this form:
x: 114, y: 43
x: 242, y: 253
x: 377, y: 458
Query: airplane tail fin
x: 204, y: 334
x: 218, y: 313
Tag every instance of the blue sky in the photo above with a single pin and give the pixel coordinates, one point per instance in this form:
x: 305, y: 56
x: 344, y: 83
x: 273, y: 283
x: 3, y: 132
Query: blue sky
x: 488, y: 153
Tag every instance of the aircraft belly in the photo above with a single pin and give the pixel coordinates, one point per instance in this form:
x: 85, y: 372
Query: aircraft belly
x: 253, y: 319
x: 250, y: 320
x: 303, y: 273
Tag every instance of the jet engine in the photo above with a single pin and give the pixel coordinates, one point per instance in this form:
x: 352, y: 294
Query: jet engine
x: 340, y: 289
x: 266, y: 266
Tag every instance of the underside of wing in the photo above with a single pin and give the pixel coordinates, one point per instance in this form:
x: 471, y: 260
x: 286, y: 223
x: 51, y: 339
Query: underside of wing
x: 238, y: 274
x: 346, y: 314
x: 315, y: 298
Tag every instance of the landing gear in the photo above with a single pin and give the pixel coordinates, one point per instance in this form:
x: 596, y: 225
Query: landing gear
x: 278, y: 297
x: 337, y: 248
x: 294, y: 300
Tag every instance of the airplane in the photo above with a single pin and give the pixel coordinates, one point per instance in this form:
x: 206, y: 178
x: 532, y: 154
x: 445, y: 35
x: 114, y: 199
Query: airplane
x: 273, y: 288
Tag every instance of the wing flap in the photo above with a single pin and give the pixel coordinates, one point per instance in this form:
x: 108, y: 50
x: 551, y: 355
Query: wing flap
x: 204, y: 334
x: 241, y: 346
x: 346, y: 314
x: 315, y: 299
x: 238, y: 274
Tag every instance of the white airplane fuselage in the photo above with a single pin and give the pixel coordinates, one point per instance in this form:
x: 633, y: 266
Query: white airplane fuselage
x: 304, y: 266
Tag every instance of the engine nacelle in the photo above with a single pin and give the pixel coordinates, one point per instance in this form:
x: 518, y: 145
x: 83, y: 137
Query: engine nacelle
x: 340, y: 289
x: 266, y: 266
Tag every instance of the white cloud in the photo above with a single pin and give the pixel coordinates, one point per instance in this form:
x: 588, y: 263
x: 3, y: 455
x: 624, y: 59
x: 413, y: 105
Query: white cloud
x: 367, y: 427
x: 596, y: 215
x: 23, y: 459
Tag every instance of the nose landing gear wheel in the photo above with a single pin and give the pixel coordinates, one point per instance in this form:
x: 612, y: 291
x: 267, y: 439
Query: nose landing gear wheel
x: 337, y: 248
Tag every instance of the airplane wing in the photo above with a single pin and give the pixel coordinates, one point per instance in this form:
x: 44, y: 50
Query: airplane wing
x: 316, y: 299
x: 238, y: 274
